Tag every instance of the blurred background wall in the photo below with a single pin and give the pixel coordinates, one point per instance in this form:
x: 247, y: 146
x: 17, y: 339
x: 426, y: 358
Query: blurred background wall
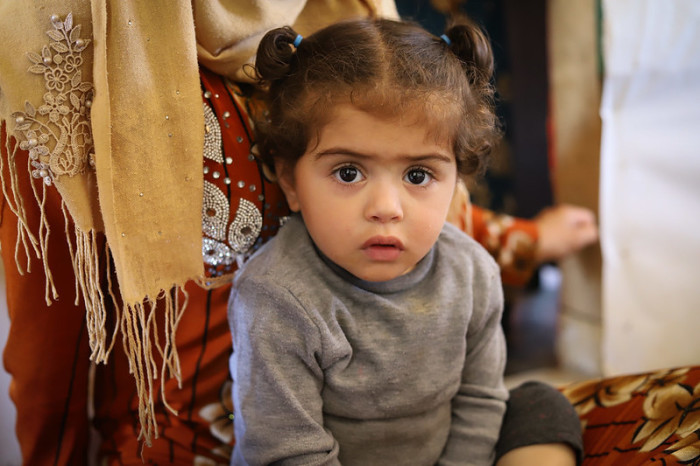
x: 575, y: 71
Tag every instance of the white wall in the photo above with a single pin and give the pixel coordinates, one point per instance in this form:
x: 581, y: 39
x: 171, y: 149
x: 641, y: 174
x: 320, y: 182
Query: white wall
x: 650, y: 184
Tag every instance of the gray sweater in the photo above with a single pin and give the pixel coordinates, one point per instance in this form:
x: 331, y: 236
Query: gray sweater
x: 331, y: 369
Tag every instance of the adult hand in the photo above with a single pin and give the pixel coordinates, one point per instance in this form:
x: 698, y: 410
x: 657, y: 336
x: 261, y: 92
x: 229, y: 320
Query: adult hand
x: 564, y: 230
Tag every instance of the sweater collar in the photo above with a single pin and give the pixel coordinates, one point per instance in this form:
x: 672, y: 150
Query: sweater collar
x: 398, y: 284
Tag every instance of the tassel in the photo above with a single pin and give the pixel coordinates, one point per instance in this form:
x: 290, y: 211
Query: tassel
x: 26, y: 241
x: 136, y: 322
x: 140, y: 337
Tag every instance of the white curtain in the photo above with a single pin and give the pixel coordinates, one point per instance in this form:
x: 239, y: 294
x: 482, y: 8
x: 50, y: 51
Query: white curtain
x: 650, y: 184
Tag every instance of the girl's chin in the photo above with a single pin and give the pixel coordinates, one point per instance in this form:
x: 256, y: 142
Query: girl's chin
x: 381, y: 275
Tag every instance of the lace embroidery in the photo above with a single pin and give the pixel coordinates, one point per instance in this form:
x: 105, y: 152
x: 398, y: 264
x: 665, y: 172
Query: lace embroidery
x: 64, y: 118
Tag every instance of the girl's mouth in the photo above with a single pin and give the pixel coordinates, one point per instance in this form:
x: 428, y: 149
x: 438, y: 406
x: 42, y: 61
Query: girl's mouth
x: 383, y: 248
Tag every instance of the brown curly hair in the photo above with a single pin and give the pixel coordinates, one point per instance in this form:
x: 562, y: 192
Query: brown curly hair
x: 386, y: 68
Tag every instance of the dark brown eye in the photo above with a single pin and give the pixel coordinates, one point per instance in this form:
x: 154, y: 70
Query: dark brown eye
x: 417, y: 177
x: 348, y: 174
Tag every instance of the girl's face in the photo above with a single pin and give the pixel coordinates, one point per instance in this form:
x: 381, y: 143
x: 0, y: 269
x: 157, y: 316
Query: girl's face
x: 374, y: 193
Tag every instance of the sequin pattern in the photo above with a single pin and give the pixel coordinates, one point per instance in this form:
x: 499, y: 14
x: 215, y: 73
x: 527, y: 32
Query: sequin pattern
x: 241, y: 206
x: 245, y: 227
x: 212, y: 136
x: 215, y: 212
x: 216, y: 253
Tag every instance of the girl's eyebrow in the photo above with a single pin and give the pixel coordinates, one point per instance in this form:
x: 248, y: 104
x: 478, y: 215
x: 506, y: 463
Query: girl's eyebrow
x: 341, y: 151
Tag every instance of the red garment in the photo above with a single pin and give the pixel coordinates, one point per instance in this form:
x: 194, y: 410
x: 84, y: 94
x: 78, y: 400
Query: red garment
x: 47, y: 348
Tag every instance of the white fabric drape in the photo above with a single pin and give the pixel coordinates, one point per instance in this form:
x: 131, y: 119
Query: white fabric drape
x: 650, y: 184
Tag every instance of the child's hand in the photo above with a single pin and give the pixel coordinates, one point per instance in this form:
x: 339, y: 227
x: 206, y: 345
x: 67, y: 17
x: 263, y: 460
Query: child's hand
x: 563, y: 230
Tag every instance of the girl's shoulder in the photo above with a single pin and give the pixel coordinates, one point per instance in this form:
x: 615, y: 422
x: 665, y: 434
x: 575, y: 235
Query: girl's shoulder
x: 454, y: 242
x: 283, y: 259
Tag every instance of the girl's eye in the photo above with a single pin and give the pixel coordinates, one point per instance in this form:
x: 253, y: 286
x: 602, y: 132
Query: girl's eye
x: 348, y: 174
x: 418, y: 177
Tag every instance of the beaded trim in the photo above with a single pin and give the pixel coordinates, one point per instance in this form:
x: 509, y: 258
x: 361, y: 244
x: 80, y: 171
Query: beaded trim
x: 212, y: 136
x: 245, y: 228
x: 225, y: 241
x: 215, y: 212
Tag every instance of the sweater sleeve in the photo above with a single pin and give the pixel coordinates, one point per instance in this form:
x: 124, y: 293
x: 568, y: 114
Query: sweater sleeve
x: 277, y: 379
x: 479, y: 406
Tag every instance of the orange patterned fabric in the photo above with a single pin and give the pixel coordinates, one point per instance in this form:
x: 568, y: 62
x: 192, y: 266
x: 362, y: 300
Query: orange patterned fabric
x: 650, y: 418
x: 511, y: 241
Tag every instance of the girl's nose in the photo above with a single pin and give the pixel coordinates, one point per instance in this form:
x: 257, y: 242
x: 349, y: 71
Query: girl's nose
x: 384, y: 203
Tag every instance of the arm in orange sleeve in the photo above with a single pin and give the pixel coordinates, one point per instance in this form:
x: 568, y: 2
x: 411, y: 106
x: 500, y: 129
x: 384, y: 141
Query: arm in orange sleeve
x: 511, y: 241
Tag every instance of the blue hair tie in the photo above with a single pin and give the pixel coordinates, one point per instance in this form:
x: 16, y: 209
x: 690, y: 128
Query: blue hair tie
x: 297, y: 40
x: 446, y: 39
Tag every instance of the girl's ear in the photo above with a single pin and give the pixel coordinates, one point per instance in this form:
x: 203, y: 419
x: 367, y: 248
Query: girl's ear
x: 285, y: 177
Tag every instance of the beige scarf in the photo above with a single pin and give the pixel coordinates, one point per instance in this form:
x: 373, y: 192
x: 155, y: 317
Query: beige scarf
x: 105, y: 97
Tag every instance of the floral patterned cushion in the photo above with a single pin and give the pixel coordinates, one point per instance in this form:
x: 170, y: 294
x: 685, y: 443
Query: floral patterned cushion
x: 650, y: 418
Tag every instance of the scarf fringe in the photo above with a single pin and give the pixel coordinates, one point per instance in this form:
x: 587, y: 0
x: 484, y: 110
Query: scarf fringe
x: 27, y: 241
x: 85, y: 255
x: 141, y: 337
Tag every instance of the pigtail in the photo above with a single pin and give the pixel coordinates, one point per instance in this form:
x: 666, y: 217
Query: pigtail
x: 275, y: 54
x: 470, y: 44
x: 481, y: 132
x: 275, y: 63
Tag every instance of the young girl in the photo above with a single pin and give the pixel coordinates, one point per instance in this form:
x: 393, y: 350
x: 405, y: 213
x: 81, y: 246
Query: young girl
x: 368, y: 331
